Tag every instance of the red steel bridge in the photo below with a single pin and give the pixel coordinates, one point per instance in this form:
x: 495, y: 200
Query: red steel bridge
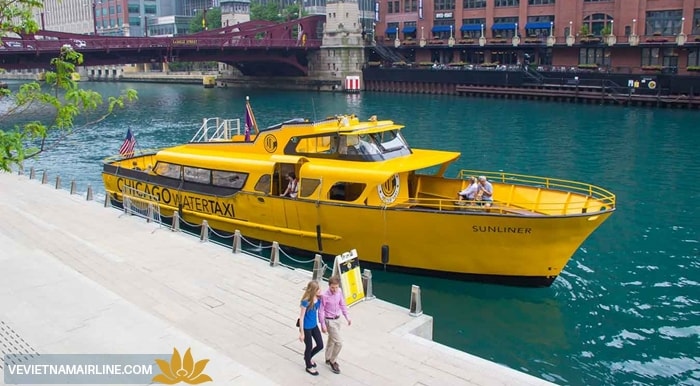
x: 256, y: 48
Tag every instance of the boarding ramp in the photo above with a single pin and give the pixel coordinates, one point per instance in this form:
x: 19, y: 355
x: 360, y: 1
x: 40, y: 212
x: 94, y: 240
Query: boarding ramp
x: 217, y: 129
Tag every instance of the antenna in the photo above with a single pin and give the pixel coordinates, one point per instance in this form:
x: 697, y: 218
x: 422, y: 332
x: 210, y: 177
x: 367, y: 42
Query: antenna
x: 313, y: 105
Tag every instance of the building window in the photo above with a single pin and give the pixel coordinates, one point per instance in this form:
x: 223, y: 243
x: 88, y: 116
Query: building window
x: 441, y: 28
x: 597, y: 55
x: 507, y: 3
x: 651, y: 56
x: 539, y: 2
x: 694, y: 57
x: 474, y: 4
x: 593, y: 24
x: 504, y: 27
x: 410, y: 5
x: 539, y: 26
x: 133, y: 8
x: 471, y: 28
x: 444, y: 5
x: 696, y: 22
x: 664, y: 23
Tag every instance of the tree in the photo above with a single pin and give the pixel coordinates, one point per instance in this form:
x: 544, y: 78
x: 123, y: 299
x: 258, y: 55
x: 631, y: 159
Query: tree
x: 213, y: 17
x: 64, y: 100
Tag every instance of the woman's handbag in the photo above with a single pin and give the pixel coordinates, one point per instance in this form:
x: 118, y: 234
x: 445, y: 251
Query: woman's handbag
x: 297, y: 322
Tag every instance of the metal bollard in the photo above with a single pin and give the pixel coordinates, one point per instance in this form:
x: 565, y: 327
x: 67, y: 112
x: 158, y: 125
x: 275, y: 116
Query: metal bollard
x: 275, y: 254
x: 58, y: 182
x: 318, y: 268
x: 45, y: 178
x: 88, y: 197
x: 108, y: 202
x: 20, y: 171
x: 236, y: 247
x: 416, y: 308
x: 367, y: 283
x: 149, y: 215
x: 176, y: 222
x: 204, y: 236
x: 73, y: 187
x: 32, y: 173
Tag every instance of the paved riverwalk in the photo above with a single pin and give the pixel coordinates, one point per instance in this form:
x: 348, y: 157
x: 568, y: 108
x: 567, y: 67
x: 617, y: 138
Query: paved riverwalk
x: 76, y: 277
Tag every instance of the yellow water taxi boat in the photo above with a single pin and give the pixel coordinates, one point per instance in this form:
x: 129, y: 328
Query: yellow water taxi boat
x: 361, y: 186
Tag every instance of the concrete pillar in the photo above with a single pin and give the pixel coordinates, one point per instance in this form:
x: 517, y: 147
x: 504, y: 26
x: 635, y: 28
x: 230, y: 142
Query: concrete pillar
x: 416, y: 308
x: 204, y: 236
x: 275, y: 254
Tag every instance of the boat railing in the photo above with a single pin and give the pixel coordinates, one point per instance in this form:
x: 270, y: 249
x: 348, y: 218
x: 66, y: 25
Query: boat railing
x: 217, y: 129
x: 137, y: 153
x: 596, y: 198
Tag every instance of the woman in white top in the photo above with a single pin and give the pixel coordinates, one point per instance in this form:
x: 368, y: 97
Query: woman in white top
x: 292, y: 186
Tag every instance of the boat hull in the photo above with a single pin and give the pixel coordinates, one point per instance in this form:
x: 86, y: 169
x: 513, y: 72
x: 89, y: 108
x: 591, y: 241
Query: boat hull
x: 459, y: 244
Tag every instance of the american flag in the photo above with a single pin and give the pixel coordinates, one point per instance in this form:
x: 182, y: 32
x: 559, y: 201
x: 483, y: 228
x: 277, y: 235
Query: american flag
x: 127, y: 149
x: 250, y: 123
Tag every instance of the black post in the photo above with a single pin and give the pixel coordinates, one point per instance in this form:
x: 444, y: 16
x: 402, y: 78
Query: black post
x: 43, y: 27
x: 94, y: 17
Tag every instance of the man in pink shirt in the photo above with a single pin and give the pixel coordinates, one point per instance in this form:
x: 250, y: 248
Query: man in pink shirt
x: 332, y: 306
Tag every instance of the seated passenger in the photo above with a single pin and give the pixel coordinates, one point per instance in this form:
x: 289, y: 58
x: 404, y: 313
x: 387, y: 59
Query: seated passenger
x: 135, y: 166
x: 485, y: 193
x: 292, y: 186
x: 469, y: 193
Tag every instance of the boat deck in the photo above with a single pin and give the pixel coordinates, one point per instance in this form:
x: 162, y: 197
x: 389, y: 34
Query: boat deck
x: 80, y: 278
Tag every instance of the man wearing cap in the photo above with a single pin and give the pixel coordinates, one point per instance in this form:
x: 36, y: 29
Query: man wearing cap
x: 486, y: 191
x: 332, y: 307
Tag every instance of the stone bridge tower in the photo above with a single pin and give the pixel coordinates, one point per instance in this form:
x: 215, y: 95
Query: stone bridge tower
x: 342, y: 50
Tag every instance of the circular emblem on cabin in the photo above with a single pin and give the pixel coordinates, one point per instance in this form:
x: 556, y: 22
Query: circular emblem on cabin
x: 389, y: 190
x: 652, y: 84
x: 270, y: 143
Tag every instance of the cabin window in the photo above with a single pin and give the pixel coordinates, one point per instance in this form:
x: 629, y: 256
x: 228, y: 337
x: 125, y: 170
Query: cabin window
x: 308, y: 186
x: 263, y: 184
x: 346, y: 191
x: 167, y: 170
x: 202, y: 176
x: 228, y: 179
x: 325, y: 144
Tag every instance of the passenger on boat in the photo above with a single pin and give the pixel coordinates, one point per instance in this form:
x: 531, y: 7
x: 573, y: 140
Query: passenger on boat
x: 469, y: 193
x: 485, y: 193
x: 292, y: 186
x: 135, y: 166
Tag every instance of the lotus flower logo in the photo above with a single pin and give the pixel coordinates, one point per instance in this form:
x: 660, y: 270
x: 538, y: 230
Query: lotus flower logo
x: 182, y: 369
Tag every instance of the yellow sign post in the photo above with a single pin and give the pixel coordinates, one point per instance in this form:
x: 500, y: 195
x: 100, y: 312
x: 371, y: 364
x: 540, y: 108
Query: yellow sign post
x: 347, y: 267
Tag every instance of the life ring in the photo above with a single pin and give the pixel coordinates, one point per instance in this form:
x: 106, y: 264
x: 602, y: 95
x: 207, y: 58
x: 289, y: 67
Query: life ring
x: 651, y: 84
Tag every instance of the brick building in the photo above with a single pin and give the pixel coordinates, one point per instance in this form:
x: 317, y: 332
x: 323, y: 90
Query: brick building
x: 628, y: 36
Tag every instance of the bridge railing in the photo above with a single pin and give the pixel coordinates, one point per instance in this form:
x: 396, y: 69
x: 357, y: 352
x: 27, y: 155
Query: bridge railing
x: 127, y: 43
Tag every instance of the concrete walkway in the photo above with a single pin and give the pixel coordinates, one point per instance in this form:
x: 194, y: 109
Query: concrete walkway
x: 76, y: 277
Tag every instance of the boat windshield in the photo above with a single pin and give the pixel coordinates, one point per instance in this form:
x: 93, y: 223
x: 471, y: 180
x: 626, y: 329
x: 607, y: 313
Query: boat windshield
x: 376, y: 146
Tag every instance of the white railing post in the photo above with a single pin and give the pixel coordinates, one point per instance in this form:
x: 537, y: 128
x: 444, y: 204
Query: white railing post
x: 275, y: 254
x: 318, y: 267
x: 176, y: 221
x: 367, y: 282
x: 416, y: 308
x: 236, y: 247
x: 204, y: 236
